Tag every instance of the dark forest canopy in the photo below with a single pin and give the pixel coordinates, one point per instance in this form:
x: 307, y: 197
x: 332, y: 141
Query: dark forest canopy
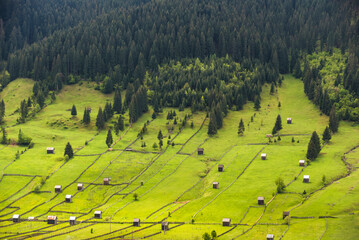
x: 116, y: 42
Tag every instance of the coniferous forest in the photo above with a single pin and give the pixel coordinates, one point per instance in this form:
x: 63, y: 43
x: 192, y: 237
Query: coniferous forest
x: 133, y: 100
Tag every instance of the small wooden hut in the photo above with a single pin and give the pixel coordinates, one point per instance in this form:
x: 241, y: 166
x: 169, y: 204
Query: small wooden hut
x: 270, y: 237
x: 72, y: 220
x: 50, y: 150
x: 80, y: 186
x: 289, y: 120
x: 220, y: 168
x: 58, y: 188
x: 164, y: 226
x: 215, y: 185
x: 106, y: 181
x: 306, y: 179
x: 260, y: 200
x: 68, y: 198
x: 16, y: 218
x: 98, y: 214
x: 226, y: 222
x: 136, y: 222
x: 263, y: 156
x: 51, y: 220
x: 302, y: 163
x: 200, y: 151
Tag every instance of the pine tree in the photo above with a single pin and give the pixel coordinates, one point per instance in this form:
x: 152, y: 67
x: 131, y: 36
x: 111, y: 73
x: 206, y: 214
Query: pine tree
x: 277, y: 125
x: 68, y: 150
x: 86, y: 118
x: 121, y: 124
x: 316, y: 141
x: 219, y: 116
x: 100, y: 123
x: 272, y: 88
x: 159, y: 136
x: 333, y: 120
x: 4, y: 136
x: 326, y: 135
x: 257, y: 104
x: 117, y: 101
x: 73, y: 110
x: 109, y: 139
x: 241, y: 127
x: 313, y: 147
x: 212, y: 128
x: 2, y: 111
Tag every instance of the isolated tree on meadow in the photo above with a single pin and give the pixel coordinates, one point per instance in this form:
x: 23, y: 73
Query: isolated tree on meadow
x: 206, y: 236
x: 333, y: 120
x: 160, y: 136
x: 280, y: 185
x: 86, y: 118
x: 68, y: 150
x: 326, y: 135
x: 4, y: 136
x: 213, y: 234
x: 73, y: 110
x: 100, y: 122
x: 277, y: 125
x: 109, y: 139
x: 313, y: 147
x: 241, y: 127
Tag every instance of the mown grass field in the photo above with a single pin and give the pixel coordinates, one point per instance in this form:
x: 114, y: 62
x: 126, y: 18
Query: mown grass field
x: 174, y: 184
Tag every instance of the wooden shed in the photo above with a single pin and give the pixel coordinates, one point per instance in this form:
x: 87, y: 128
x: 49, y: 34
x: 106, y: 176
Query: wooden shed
x: 200, y: 151
x: 50, y: 150
x: 302, y: 163
x: 80, y: 186
x: 226, y: 222
x: 260, y: 200
x: 285, y: 214
x: 31, y: 218
x: 215, y: 185
x: 263, y: 156
x: 289, y: 120
x: 164, y: 226
x: 136, y: 222
x: 306, y: 179
x: 58, y: 188
x: 51, y: 220
x: 98, y: 214
x: 106, y: 181
x: 220, y: 168
x: 72, y: 220
x: 270, y: 237
x: 68, y: 198
x: 16, y: 218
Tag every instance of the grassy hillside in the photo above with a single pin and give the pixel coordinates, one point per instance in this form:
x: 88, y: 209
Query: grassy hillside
x: 174, y: 183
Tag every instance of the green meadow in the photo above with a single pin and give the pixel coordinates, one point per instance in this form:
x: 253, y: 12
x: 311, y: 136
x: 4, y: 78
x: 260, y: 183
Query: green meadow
x: 175, y: 184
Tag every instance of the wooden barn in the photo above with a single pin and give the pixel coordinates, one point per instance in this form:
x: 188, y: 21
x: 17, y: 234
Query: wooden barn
x: 263, y: 156
x: 31, y: 218
x: 16, y: 218
x: 260, y: 200
x: 289, y: 120
x: 106, y: 181
x: 215, y: 185
x: 220, y: 168
x: 270, y: 237
x: 51, y: 220
x: 68, y: 198
x: 50, y: 150
x: 98, y: 214
x: 200, y: 151
x: 302, y: 163
x: 306, y: 179
x: 285, y: 214
x: 226, y: 222
x: 164, y: 226
x: 80, y: 186
x: 136, y: 222
x: 58, y: 188
x: 72, y: 220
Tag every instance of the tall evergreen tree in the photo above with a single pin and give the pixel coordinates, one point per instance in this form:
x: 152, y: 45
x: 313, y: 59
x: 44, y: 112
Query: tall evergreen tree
x: 326, y: 135
x: 68, y: 150
x: 241, y: 127
x: 86, y: 118
x: 2, y: 111
x: 333, y: 120
x: 100, y: 122
x: 109, y: 139
x: 212, y: 127
x: 73, y: 110
x: 219, y: 116
x: 160, y: 136
x: 313, y: 146
x: 117, y: 101
x: 4, y: 136
x: 277, y: 125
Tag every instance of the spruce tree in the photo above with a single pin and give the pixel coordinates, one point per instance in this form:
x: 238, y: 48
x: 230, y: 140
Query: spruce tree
x: 272, y: 88
x: 73, y: 110
x: 4, y: 136
x: 219, y: 116
x: 313, y: 147
x: 241, y: 127
x: 121, y: 124
x: 277, y: 125
x: 333, y: 120
x: 316, y: 141
x: 109, y: 139
x: 212, y: 128
x: 100, y: 123
x: 117, y: 101
x: 326, y: 135
x: 257, y: 103
x: 68, y: 150
x: 2, y: 111
x: 86, y: 118
x: 159, y: 136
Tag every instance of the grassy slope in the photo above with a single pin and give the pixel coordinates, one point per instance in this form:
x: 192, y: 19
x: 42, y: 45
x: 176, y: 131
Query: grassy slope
x: 173, y: 179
